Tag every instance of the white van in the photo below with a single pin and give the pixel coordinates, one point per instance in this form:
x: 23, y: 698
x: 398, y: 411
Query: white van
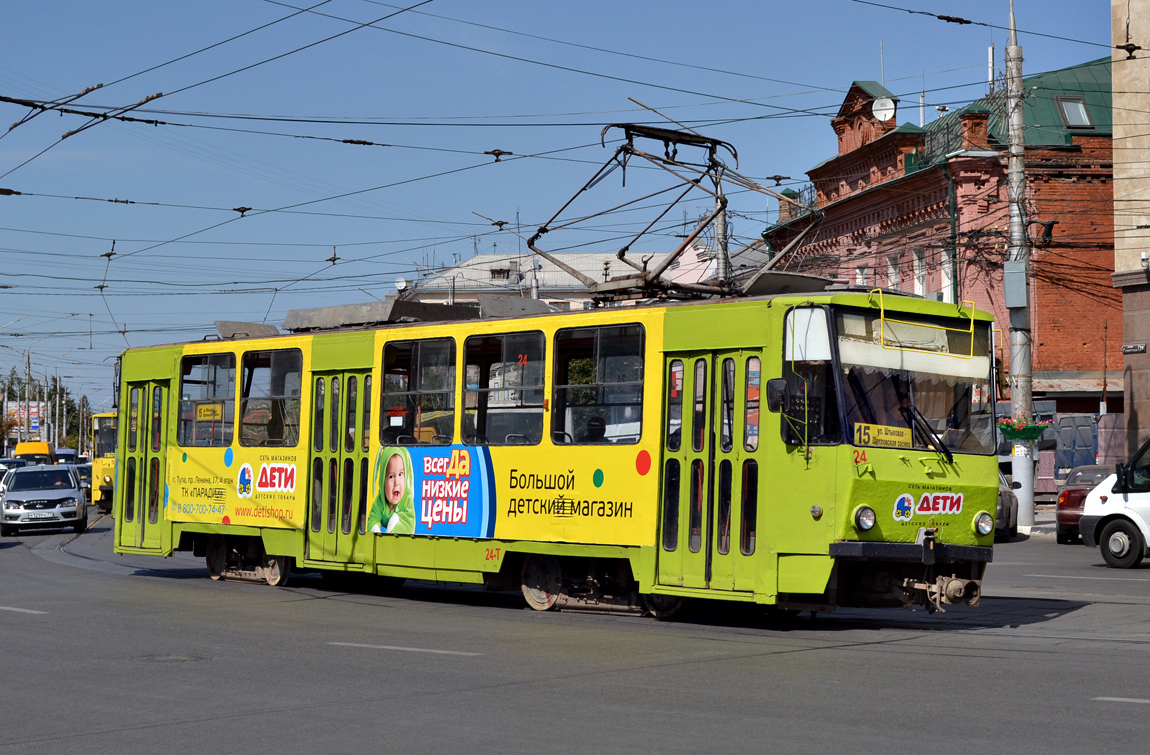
x: 1116, y: 514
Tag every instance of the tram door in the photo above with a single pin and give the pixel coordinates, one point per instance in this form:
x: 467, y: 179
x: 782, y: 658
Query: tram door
x: 340, y: 471
x: 708, y: 506
x: 145, y: 487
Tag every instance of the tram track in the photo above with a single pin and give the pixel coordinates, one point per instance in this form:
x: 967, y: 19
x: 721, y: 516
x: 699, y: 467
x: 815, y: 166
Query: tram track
x: 63, y: 548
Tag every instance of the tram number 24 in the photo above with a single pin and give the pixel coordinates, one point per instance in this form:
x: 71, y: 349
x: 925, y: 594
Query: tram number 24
x: 862, y: 438
x: 492, y: 554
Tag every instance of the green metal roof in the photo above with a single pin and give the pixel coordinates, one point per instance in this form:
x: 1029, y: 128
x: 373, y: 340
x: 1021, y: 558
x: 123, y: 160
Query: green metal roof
x: 1044, y: 124
x: 1089, y: 81
x: 875, y: 89
x: 1040, y: 111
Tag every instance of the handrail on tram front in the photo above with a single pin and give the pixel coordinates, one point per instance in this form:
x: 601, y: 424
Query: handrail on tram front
x: 883, y: 320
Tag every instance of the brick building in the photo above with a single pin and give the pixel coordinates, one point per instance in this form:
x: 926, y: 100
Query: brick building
x: 924, y: 210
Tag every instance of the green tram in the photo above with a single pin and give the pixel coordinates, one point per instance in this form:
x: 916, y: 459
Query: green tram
x: 802, y: 451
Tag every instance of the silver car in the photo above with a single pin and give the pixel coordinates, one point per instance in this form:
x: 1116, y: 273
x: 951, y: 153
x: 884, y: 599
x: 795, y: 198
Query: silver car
x: 43, y: 496
x: 1006, y: 517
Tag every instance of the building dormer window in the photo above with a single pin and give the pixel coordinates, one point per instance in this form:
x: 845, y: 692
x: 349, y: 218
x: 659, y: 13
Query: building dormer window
x: 1074, y: 112
x: 500, y: 274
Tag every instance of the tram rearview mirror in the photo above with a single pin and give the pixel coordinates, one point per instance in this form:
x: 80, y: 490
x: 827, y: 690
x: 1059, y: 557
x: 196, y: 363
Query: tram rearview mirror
x: 778, y: 394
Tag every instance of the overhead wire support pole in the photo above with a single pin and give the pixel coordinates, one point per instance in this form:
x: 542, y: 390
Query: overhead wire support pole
x: 1016, y: 284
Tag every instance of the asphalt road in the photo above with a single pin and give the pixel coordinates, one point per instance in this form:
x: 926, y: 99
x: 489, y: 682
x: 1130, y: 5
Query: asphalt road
x: 105, y: 653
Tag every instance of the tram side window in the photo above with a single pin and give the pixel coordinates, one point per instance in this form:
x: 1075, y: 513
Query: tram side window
x: 750, y: 506
x: 133, y: 418
x: 751, y: 426
x: 598, y: 390
x: 207, y: 400
x: 418, y: 397
x: 675, y: 406
x: 503, y: 398
x: 270, y: 398
x: 812, y: 413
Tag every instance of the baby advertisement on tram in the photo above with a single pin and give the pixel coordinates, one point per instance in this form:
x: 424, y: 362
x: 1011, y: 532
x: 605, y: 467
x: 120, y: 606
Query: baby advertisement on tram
x: 443, y: 491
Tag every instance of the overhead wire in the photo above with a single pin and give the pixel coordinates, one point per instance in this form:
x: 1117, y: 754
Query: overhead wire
x: 221, y: 76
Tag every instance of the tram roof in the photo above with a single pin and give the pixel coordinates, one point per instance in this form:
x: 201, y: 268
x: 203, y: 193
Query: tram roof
x: 848, y: 295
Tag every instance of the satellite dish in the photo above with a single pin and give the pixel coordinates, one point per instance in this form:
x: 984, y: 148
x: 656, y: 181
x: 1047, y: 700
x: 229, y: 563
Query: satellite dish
x: 882, y: 109
x: 400, y: 283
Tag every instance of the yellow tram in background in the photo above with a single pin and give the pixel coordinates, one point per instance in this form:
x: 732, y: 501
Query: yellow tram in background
x: 102, y: 442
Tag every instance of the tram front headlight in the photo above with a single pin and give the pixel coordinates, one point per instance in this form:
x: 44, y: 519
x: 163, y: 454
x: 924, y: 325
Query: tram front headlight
x: 983, y: 523
x: 107, y: 479
x: 864, y: 518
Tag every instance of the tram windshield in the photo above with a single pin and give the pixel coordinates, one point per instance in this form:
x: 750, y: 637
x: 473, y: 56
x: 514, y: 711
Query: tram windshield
x: 105, y: 436
x: 916, y: 382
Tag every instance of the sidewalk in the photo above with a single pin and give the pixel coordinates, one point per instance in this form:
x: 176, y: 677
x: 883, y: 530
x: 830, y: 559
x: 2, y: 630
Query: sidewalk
x: 1043, y: 520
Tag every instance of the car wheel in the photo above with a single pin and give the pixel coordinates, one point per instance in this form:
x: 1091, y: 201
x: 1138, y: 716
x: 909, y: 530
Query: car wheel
x: 7, y: 530
x: 1063, y: 537
x: 1122, y: 545
x: 80, y: 525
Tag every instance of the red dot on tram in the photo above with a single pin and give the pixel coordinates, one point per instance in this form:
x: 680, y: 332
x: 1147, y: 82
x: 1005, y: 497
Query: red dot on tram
x: 227, y: 520
x: 643, y: 463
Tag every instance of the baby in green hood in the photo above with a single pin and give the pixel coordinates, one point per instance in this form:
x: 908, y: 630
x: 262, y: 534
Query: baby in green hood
x: 393, y: 510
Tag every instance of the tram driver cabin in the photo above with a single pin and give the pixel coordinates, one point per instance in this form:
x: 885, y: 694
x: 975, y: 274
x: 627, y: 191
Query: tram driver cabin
x: 810, y: 450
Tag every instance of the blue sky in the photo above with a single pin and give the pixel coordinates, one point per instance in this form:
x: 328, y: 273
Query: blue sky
x: 444, y: 83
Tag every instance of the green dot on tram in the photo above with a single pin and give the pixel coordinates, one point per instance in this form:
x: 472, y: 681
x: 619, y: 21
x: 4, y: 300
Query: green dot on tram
x: 598, y: 478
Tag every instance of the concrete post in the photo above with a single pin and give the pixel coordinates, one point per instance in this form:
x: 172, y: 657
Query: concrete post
x: 1016, y: 283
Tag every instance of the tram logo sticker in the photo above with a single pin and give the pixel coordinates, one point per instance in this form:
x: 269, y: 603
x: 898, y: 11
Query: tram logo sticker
x: 940, y: 503
x: 275, y: 478
x: 244, y: 481
x: 929, y: 504
x: 904, y: 508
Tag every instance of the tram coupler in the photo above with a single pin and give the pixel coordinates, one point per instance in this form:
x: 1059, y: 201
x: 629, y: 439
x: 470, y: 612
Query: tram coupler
x: 244, y: 573
x: 949, y: 590
x: 598, y: 603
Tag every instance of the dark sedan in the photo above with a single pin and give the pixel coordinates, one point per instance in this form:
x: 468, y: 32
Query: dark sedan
x: 1079, y: 482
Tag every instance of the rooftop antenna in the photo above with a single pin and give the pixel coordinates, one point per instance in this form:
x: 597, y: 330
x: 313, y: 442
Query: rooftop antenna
x: 881, y: 63
x: 990, y: 67
x: 922, y: 102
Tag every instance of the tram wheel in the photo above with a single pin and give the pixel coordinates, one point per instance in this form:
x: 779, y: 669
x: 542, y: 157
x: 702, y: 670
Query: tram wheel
x: 542, y: 582
x: 215, y: 555
x: 663, y: 607
x: 277, y: 570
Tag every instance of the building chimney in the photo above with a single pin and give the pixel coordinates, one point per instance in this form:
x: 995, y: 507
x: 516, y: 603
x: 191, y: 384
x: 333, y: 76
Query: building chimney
x: 788, y: 211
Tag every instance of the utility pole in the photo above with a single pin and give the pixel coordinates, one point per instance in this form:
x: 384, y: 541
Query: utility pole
x: 1016, y: 284
x: 27, y: 410
x: 722, y: 261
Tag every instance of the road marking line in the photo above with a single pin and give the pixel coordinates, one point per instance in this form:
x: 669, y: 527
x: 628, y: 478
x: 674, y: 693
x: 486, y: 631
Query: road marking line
x: 1121, y: 700
x: 22, y: 610
x: 406, y: 650
x: 1108, y: 579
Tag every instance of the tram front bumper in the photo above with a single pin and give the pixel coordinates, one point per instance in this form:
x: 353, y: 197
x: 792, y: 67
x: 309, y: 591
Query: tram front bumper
x: 926, y: 552
x: 926, y: 573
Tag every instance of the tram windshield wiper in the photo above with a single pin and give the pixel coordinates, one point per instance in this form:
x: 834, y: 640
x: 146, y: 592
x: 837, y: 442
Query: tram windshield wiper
x: 914, y: 416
